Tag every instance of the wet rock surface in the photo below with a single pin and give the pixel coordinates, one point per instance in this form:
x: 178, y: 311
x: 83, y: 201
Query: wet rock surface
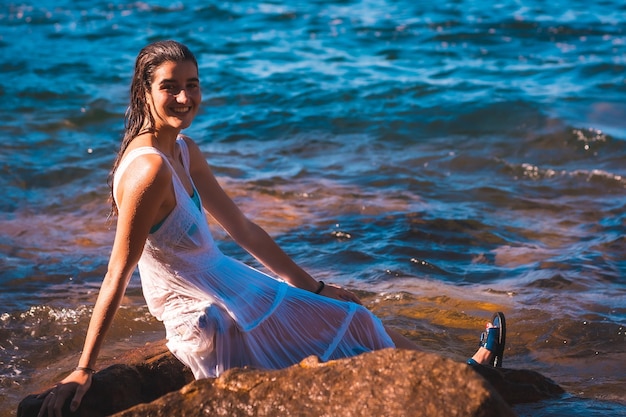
x: 391, y: 382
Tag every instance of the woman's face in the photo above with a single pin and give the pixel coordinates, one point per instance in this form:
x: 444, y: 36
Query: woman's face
x: 174, y: 95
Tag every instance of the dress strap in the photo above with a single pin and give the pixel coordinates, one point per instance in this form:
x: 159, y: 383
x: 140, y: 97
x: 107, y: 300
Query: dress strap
x: 184, y: 152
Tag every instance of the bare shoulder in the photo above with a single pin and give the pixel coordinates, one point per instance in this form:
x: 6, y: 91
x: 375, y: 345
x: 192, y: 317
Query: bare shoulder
x: 143, y: 173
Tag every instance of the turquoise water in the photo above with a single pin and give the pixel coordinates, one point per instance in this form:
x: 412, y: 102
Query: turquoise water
x: 445, y: 159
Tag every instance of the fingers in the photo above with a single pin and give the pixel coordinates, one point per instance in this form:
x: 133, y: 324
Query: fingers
x: 349, y: 296
x: 52, y: 405
x: 54, y: 399
x: 43, y: 405
x: 346, y: 295
x: 339, y: 293
x: 57, y: 405
x: 78, y: 397
x: 48, y: 398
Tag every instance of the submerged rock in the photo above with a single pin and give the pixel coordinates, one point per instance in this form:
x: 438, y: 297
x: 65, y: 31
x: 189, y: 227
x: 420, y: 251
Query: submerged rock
x: 390, y: 382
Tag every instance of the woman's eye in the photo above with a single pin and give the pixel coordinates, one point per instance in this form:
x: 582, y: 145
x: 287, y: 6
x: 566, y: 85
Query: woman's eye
x: 170, y: 88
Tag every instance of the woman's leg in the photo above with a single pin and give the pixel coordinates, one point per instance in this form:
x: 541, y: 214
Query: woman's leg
x: 482, y: 356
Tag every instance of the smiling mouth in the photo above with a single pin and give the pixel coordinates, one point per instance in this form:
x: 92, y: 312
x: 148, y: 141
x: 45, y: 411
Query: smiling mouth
x: 181, y: 109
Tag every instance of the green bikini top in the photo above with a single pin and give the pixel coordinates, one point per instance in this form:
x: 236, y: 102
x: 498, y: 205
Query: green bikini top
x: 196, y: 199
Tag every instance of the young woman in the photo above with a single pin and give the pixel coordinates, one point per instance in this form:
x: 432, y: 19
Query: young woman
x: 218, y: 313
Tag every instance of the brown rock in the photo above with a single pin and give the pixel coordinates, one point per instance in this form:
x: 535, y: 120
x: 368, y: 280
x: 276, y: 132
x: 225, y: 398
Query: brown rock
x: 145, y: 375
x: 389, y: 383
x: 381, y: 383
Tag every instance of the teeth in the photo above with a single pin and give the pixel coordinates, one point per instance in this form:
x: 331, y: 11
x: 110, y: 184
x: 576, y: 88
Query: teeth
x: 182, y: 109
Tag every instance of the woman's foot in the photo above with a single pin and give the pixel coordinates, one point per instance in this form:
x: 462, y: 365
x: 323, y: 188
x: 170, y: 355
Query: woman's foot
x: 491, y: 346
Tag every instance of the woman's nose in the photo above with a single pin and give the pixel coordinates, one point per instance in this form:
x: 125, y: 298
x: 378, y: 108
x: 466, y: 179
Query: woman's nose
x: 182, y: 97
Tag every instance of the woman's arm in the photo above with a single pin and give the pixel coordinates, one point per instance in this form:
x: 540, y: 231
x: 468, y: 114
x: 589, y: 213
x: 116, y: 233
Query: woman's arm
x: 140, y: 197
x: 249, y: 235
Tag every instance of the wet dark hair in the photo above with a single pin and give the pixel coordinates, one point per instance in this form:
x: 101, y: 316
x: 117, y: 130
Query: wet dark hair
x: 138, y: 118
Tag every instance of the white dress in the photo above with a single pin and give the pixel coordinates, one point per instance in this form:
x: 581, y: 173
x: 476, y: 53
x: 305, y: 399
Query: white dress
x: 220, y: 313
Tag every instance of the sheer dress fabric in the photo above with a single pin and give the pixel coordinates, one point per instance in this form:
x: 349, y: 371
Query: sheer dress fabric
x: 220, y: 313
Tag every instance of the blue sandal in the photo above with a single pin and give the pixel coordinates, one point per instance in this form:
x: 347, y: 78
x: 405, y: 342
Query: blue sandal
x: 493, y: 340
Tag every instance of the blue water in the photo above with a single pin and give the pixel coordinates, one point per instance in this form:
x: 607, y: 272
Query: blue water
x: 444, y: 159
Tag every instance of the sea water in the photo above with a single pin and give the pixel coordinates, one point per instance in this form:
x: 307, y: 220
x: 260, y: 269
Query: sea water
x: 443, y: 159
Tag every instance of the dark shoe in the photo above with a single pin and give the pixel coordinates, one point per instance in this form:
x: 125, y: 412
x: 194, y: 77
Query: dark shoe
x: 497, y: 335
x: 493, y: 340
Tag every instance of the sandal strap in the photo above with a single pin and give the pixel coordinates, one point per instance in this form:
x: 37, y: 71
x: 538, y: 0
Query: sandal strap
x: 489, y: 339
x: 472, y: 362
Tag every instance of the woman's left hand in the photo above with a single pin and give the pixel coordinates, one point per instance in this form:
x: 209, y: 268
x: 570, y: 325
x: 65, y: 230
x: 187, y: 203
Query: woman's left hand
x: 74, y: 386
x: 339, y: 293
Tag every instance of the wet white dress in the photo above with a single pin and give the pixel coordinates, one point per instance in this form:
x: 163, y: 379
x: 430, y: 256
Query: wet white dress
x: 220, y: 313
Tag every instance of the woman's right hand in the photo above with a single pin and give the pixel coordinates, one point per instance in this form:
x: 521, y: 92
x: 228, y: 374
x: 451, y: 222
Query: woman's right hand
x: 339, y: 293
x: 75, y: 384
